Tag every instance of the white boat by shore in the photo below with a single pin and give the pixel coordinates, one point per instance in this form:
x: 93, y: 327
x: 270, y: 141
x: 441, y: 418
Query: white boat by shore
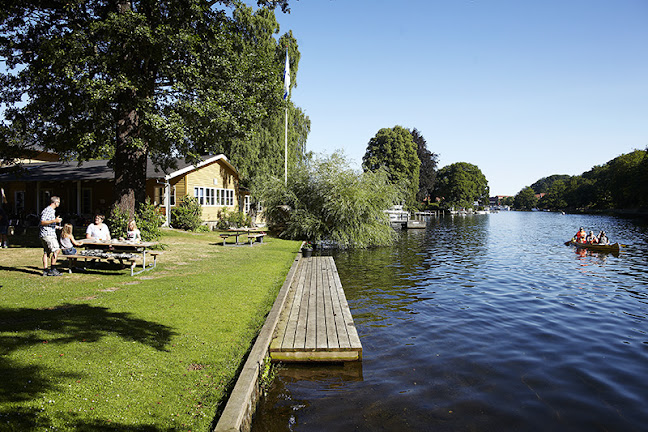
x: 399, y: 218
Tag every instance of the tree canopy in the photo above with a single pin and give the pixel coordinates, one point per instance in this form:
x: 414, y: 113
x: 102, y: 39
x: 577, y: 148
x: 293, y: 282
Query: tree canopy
x: 131, y: 79
x: 461, y: 184
x: 326, y: 200
x: 394, y: 150
x: 544, y: 184
x: 427, y: 175
x: 262, y: 154
x: 526, y: 199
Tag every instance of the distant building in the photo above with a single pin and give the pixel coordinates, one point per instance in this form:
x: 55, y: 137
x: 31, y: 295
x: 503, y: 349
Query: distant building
x: 497, y: 200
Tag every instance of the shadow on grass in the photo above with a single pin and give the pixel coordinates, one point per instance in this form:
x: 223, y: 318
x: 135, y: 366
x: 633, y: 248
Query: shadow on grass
x: 78, y: 322
x: 24, y: 269
x: 19, y: 327
x: 107, y: 269
x: 28, y: 419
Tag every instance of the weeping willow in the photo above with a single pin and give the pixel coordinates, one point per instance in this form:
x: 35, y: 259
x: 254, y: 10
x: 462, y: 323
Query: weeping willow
x: 326, y: 200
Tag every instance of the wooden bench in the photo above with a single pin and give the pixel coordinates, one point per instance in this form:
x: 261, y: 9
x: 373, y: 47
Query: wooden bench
x: 226, y: 236
x: 73, y: 260
x: 256, y: 237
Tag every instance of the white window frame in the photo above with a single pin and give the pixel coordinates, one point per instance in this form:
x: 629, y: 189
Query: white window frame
x: 172, y: 197
x: 158, y: 195
x: 214, y: 197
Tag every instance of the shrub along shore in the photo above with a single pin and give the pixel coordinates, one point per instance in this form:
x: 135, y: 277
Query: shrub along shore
x: 102, y: 350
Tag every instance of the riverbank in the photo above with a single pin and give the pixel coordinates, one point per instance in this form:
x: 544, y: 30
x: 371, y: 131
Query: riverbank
x: 103, y: 350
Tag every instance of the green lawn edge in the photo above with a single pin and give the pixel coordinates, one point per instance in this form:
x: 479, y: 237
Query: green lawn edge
x: 103, y: 351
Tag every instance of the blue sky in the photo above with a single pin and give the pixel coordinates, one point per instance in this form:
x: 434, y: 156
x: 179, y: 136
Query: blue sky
x: 522, y: 89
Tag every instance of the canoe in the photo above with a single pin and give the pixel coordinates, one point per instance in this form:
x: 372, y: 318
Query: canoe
x: 614, y: 247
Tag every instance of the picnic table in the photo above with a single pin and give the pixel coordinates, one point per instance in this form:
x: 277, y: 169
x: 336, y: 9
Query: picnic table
x: 252, y: 234
x: 123, y: 251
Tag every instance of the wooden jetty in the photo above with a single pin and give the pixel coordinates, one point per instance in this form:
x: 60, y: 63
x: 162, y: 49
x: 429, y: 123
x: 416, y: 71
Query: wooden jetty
x: 316, y: 324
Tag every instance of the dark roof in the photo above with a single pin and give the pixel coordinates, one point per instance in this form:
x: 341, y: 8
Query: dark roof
x: 72, y: 171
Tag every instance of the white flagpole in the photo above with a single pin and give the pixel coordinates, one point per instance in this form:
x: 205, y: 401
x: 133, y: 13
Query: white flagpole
x: 286, y: 91
x: 286, y: 148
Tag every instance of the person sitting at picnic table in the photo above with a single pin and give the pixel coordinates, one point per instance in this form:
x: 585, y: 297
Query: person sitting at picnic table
x: 602, y: 239
x: 98, y: 230
x: 68, y: 241
x: 47, y: 234
x: 133, y: 234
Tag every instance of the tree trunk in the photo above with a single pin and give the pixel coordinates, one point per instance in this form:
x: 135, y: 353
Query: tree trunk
x: 130, y: 158
x: 129, y: 164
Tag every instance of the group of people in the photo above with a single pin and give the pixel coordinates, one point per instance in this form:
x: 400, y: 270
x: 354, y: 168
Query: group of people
x: 49, y: 223
x: 591, y: 238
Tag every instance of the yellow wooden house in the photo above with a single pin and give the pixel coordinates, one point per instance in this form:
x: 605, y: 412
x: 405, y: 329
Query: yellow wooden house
x: 214, y: 182
x: 87, y: 189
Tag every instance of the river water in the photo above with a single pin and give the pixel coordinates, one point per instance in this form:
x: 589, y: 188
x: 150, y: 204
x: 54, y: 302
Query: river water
x: 484, y: 323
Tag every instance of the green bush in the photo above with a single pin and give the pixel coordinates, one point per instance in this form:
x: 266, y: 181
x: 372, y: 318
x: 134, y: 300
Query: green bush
x: 235, y: 219
x: 147, y: 218
x: 118, y: 222
x: 187, y: 215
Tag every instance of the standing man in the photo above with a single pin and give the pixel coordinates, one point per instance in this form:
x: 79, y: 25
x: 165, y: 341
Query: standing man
x: 4, y: 228
x: 48, y: 238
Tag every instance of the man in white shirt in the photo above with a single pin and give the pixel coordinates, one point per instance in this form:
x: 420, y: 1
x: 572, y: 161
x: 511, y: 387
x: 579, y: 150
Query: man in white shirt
x: 48, y: 238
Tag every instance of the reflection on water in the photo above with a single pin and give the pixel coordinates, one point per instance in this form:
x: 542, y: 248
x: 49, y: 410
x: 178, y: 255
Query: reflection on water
x: 485, y: 323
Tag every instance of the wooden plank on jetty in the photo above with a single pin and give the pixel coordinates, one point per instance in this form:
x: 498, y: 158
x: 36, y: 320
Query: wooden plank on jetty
x: 316, y: 322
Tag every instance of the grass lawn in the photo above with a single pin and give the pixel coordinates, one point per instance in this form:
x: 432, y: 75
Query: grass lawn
x: 104, y: 351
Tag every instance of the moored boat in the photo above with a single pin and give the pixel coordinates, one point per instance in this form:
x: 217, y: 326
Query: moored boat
x: 614, y: 247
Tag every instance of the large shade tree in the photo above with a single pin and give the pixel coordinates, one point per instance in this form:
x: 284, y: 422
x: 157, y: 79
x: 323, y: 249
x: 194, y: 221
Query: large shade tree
x: 394, y: 149
x: 525, y: 199
x: 261, y: 152
x: 461, y: 184
x: 262, y: 155
x: 131, y: 79
x: 429, y: 160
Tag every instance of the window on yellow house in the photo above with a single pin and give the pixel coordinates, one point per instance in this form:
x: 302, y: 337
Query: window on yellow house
x: 214, y: 196
x: 246, y: 205
x: 158, y: 196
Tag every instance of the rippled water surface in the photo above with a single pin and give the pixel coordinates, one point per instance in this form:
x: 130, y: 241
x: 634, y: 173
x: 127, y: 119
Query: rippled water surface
x: 485, y: 323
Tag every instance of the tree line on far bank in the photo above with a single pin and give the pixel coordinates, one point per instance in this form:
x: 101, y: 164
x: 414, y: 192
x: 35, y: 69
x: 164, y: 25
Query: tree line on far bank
x: 621, y: 183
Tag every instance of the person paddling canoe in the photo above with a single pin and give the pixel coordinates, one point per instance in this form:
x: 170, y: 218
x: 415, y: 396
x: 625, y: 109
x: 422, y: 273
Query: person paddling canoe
x: 602, y: 239
x: 581, y: 235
